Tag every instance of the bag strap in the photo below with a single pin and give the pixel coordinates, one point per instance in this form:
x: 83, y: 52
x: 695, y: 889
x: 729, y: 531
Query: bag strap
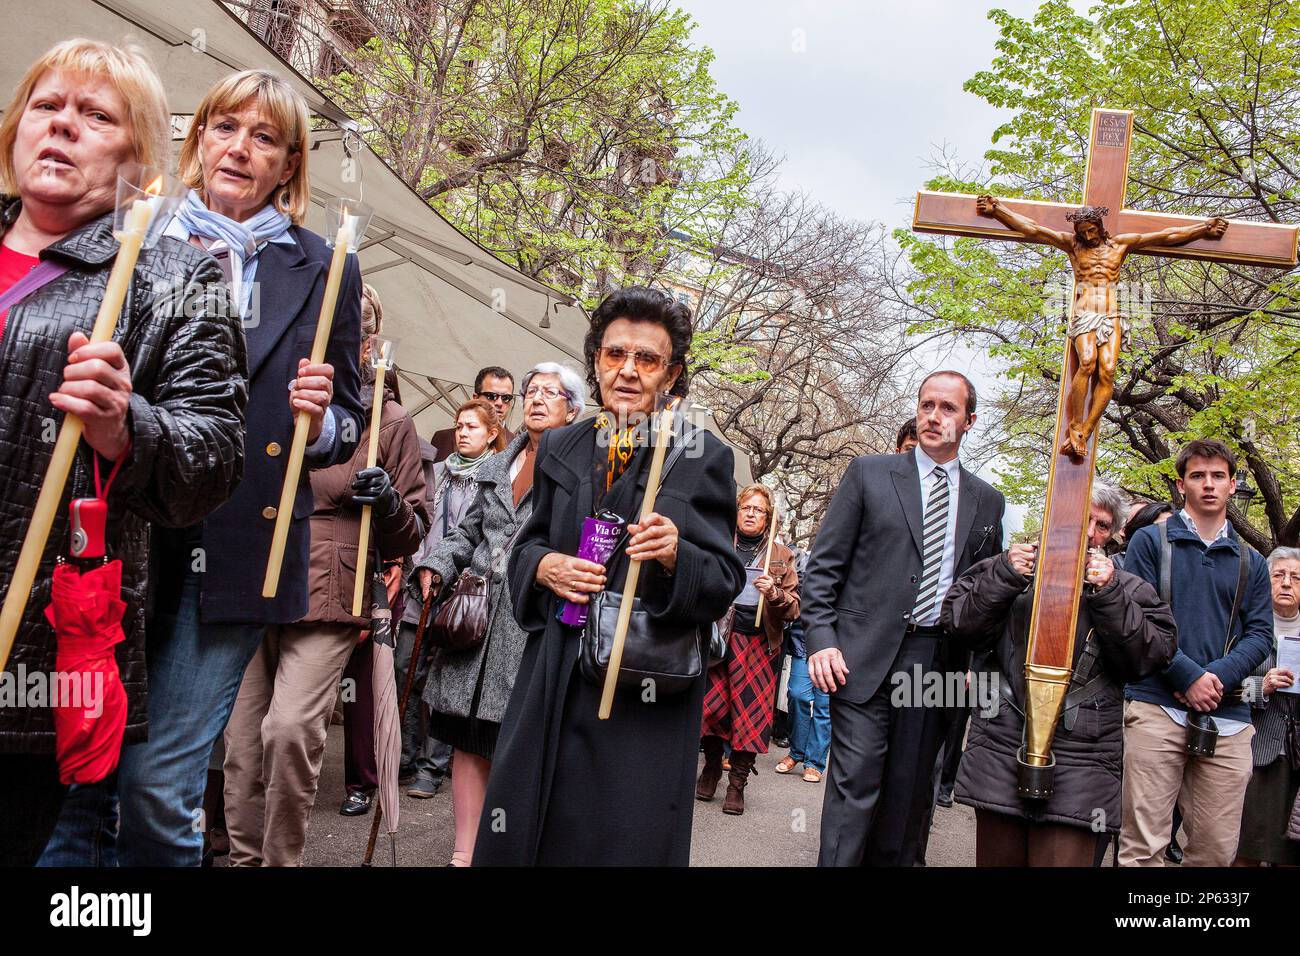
x: 1084, y: 682
x: 446, y: 494
x: 42, y: 274
x: 1243, y: 570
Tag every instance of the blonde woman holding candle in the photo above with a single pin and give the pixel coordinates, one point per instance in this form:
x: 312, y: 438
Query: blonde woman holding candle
x: 163, y: 402
x: 245, y: 159
x: 568, y: 788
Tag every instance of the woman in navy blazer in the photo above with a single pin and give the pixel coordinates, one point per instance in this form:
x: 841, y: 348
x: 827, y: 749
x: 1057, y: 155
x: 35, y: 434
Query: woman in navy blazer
x: 245, y: 159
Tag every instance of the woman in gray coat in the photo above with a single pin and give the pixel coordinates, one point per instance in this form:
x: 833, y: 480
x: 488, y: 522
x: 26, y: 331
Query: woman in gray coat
x: 467, y: 691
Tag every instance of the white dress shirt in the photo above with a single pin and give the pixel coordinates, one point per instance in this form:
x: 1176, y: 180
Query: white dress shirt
x: 925, y: 465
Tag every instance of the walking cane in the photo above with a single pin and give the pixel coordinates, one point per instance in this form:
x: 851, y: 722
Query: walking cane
x: 401, y: 716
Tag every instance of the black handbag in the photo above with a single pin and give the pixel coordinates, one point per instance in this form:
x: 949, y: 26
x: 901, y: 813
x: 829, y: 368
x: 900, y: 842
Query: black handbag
x: 462, y: 620
x: 669, y: 656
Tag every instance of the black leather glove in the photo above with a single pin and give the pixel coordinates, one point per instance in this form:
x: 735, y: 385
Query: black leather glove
x: 373, y: 487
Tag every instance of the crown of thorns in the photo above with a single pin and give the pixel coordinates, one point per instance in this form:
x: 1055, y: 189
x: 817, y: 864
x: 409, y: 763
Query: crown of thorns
x: 1088, y: 214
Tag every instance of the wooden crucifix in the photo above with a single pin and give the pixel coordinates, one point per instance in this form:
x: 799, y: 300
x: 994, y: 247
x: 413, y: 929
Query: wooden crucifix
x: 1097, y: 237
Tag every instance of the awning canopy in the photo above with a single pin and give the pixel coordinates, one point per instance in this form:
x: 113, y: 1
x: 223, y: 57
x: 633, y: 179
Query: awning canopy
x: 451, y: 305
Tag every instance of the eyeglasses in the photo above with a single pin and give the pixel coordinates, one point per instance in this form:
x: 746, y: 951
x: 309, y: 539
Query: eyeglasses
x: 1286, y: 575
x: 504, y: 397
x: 753, y: 509
x: 548, y: 392
x: 647, y: 363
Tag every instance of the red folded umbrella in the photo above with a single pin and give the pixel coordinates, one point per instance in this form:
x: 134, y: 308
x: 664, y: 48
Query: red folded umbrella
x: 86, y: 611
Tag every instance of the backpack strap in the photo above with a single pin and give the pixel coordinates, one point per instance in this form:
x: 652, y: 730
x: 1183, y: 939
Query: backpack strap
x: 1243, y: 571
x: 1166, y: 564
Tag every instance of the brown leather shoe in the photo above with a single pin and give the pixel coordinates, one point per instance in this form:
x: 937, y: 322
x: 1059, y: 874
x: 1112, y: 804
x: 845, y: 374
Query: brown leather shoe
x: 707, y: 786
x: 741, y: 764
x: 786, y: 765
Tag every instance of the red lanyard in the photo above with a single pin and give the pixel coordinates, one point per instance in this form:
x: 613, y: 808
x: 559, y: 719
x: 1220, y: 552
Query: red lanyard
x: 102, y: 492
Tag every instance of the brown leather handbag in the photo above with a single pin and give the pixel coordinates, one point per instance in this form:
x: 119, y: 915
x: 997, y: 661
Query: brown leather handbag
x: 461, y: 623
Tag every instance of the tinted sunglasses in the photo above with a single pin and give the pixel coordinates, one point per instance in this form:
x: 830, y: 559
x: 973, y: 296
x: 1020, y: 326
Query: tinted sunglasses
x: 505, y: 397
x: 647, y: 363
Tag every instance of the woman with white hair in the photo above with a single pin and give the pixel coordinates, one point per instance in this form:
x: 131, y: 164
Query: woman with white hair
x: 1274, y: 709
x: 467, y: 690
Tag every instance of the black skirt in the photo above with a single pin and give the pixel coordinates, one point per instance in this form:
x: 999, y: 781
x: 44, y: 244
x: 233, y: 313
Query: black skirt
x: 1269, y: 798
x: 469, y: 734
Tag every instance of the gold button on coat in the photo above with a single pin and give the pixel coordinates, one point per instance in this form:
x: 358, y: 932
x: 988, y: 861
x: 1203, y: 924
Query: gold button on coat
x: 273, y: 449
x: 268, y: 512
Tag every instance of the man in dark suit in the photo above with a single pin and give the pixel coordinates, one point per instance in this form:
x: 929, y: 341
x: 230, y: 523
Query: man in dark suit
x: 899, y: 530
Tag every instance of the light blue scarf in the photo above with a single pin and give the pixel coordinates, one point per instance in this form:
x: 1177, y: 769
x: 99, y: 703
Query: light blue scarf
x: 243, y: 239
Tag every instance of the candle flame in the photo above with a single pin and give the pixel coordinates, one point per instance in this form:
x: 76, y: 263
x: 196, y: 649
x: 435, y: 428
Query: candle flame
x: 155, y: 187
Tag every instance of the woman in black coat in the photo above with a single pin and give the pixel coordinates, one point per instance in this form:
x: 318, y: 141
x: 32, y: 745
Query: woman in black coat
x: 568, y: 788
x: 1123, y: 633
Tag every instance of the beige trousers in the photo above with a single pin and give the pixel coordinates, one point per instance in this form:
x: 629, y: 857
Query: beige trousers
x: 275, y: 741
x: 1158, y: 772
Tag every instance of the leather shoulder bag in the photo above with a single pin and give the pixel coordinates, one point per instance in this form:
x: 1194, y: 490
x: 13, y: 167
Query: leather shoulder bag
x: 461, y: 623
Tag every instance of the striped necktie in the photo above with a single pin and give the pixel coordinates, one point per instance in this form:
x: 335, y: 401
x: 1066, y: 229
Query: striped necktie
x: 934, y: 530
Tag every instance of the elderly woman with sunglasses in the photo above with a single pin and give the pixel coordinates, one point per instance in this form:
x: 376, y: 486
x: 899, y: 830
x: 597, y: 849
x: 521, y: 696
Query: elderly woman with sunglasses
x: 568, y: 788
x: 467, y: 690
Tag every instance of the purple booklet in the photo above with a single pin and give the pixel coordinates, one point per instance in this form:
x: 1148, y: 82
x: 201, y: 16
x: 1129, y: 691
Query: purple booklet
x: 600, y: 536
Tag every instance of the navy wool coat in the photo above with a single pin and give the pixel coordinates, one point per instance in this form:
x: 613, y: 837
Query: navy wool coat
x: 236, y: 538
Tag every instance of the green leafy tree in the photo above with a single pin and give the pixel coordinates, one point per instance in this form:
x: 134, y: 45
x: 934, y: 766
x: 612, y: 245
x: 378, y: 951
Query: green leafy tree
x: 1213, y: 84
x: 576, y: 139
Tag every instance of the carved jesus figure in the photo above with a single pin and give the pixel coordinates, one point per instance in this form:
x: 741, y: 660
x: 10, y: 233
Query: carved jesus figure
x: 1097, y: 324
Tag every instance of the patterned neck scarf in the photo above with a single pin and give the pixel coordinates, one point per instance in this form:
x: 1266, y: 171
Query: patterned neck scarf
x: 622, y: 443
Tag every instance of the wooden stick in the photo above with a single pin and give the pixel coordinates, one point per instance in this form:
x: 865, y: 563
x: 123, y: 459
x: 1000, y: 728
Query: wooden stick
x: 372, y: 456
x: 767, y: 563
x: 301, y: 425
x: 634, y: 569
x: 130, y: 239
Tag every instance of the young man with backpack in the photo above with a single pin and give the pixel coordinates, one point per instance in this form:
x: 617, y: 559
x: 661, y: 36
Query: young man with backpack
x: 1187, y: 730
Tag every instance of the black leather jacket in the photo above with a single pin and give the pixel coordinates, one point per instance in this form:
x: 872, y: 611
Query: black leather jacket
x: 189, y: 373
x: 989, y: 609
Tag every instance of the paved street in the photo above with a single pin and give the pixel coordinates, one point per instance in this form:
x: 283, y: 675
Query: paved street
x: 779, y: 826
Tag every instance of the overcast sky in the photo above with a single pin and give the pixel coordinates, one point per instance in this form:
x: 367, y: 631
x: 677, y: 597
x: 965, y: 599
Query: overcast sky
x: 858, y: 96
